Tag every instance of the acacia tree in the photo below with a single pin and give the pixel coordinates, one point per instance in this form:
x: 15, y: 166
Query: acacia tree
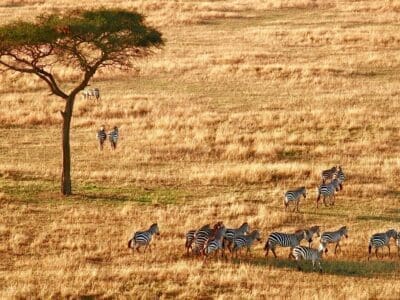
x: 84, y: 40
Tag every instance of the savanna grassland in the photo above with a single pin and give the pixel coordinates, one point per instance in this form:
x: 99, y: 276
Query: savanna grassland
x: 246, y: 100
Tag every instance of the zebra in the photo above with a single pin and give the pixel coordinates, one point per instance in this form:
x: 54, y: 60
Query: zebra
x: 313, y: 230
x: 340, y: 177
x: 294, y: 196
x: 91, y: 93
x: 101, y: 136
x: 191, y: 234
x: 247, y: 241
x: 113, y: 137
x: 326, y: 190
x: 328, y: 174
x: 202, y: 236
x: 214, y: 244
x: 379, y: 240
x: 232, y: 233
x: 334, y: 237
x: 307, y: 253
x: 143, y: 238
x: 286, y: 240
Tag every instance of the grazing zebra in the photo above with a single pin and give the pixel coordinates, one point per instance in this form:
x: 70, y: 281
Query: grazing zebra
x: 307, y: 253
x: 327, y: 191
x: 214, y: 244
x: 247, y: 241
x: 294, y: 196
x: 379, y: 240
x: 143, y: 238
x: 113, y: 136
x: 286, y: 240
x: 191, y: 234
x: 230, y: 235
x: 328, y: 174
x: 91, y: 93
x: 334, y: 237
x: 202, y: 236
x: 101, y: 136
x: 341, y: 177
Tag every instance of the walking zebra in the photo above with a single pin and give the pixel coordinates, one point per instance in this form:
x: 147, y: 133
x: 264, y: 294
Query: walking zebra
x: 286, y: 240
x: 294, y: 196
x: 328, y: 174
x: 231, y: 233
x: 143, y: 238
x: 214, y: 244
x: 191, y: 234
x: 203, y: 235
x: 326, y: 191
x: 334, y: 237
x: 113, y: 136
x: 341, y: 177
x: 247, y: 241
x: 101, y: 136
x: 379, y: 240
x: 307, y: 253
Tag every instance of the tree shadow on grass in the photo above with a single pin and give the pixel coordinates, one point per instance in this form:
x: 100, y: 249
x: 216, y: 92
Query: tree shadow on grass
x: 332, y: 267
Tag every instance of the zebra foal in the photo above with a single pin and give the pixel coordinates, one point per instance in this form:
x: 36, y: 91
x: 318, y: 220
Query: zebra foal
x: 294, y: 196
x: 143, y: 238
x: 378, y: 240
x: 326, y: 191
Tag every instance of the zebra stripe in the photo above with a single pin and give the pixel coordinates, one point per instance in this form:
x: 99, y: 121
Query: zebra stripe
x: 191, y: 235
x: 143, y: 238
x: 326, y: 191
x: 101, y: 136
x: 379, y: 240
x: 247, y: 241
x: 307, y: 253
x: 231, y: 233
x: 215, y: 244
x: 334, y: 237
x: 328, y: 174
x: 285, y: 240
x: 294, y: 196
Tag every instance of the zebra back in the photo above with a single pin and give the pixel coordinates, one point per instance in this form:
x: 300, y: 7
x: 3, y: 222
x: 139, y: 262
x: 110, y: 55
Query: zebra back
x: 329, y: 173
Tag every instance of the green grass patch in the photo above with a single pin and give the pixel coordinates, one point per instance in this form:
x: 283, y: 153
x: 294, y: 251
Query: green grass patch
x: 332, y: 267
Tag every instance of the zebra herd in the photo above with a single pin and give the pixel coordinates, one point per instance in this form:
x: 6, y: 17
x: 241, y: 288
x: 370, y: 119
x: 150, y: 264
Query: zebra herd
x: 325, y: 190
x: 211, y: 240
x: 208, y: 240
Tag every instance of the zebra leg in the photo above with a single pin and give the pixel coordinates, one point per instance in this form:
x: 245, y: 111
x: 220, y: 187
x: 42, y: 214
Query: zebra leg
x: 337, y: 245
x: 376, y: 252
x: 389, y: 250
x: 290, y: 253
x: 320, y: 268
x: 298, y: 263
x: 273, y: 251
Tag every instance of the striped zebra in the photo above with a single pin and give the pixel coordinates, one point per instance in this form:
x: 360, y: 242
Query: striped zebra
x: 334, y: 237
x: 202, y: 236
x: 101, y: 136
x: 328, y: 174
x: 190, y: 236
x: 307, y: 253
x: 231, y: 233
x: 286, y: 240
x: 143, y: 238
x: 340, y: 177
x: 247, y: 241
x: 294, y: 196
x: 326, y: 191
x: 113, y: 137
x: 379, y: 240
x: 89, y: 93
x: 214, y: 244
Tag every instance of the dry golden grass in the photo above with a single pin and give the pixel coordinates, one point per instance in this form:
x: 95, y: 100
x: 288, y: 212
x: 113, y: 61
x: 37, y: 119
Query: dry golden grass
x: 246, y: 100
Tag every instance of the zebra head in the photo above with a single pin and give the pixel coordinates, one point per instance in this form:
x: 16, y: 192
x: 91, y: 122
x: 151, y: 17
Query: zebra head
x: 256, y: 235
x: 391, y: 234
x: 343, y: 231
x: 245, y: 228
x: 154, y: 229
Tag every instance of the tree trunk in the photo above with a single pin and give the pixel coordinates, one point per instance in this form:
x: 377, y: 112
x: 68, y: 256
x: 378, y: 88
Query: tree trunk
x: 66, y: 187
